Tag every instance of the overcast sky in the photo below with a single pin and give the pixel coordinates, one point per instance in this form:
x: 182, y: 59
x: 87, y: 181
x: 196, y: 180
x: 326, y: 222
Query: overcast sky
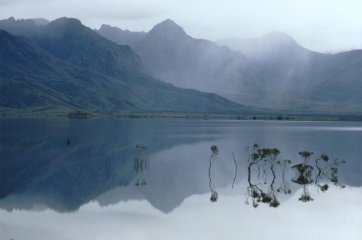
x: 321, y: 25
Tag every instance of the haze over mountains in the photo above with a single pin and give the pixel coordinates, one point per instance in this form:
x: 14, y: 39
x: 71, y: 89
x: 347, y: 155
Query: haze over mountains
x: 173, y: 56
x: 99, y: 70
x: 330, y: 80
x: 273, y: 71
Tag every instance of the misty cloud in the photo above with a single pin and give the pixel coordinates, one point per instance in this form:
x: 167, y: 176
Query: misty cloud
x: 324, y: 25
x: 91, y: 13
x: 17, y: 2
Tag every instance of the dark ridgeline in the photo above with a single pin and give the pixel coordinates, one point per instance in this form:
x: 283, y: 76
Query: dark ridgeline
x: 66, y: 65
x: 122, y: 37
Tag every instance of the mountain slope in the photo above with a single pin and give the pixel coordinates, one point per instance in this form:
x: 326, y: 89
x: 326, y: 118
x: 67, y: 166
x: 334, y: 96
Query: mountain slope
x: 329, y: 82
x: 173, y: 56
x: 23, y: 27
x: 69, y: 40
x: 273, y: 71
x: 76, y: 68
x: 29, y: 76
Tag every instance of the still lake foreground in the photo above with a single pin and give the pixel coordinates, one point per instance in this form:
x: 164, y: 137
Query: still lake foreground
x: 162, y: 179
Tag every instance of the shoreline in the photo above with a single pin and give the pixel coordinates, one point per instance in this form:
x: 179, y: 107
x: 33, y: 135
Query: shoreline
x: 277, y: 116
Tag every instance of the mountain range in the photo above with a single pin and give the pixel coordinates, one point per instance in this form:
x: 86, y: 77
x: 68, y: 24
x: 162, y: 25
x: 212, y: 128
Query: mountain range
x: 172, y: 56
x: 68, y: 65
x: 273, y: 71
x: 64, y: 64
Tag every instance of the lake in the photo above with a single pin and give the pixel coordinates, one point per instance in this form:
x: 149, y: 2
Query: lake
x: 180, y: 179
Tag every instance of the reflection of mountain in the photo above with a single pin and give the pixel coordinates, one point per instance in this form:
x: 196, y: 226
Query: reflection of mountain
x: 174, y: 175
x: 66, y: 164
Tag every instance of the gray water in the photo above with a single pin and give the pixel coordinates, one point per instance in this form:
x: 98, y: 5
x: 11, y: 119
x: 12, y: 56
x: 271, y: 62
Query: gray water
x: 66, y: 166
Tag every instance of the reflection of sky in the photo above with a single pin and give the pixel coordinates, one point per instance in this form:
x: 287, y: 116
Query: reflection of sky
x: 352, y: 129
x: 176, y: 200
x: 335, y: 214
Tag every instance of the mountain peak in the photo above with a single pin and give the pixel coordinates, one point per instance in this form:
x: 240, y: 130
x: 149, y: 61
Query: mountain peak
x: 40, y: 21
x: 168, y: 21
x: 106, y: 27
x: 12, y: 19
x: 277, y: 37
x: 168, y: 27
x: 66, y: 21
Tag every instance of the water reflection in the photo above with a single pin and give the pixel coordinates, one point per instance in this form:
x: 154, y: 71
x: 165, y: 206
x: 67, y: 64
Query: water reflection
x: 63, y: 165
x: 214, y: 194
x: 140, y: 165
x: 263, y: 160
x: 284, y: 185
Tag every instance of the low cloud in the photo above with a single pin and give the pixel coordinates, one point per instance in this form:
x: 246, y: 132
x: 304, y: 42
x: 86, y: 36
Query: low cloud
x: 324, y: 25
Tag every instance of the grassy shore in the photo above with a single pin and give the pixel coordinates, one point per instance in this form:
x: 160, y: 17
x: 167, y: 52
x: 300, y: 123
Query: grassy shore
x: 71, y: 114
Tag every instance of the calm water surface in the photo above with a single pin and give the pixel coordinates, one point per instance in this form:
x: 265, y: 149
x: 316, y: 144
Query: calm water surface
x: 154, y: 179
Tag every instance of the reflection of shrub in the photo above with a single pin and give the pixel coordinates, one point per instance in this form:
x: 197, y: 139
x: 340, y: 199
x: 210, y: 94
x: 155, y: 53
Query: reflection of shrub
x: 303, y: 168
x: 304, y: 174
x: 324, y: 187
x: 214, y: 149
x: 274, y: 203
x: 265, y: 198
x: 305, y: 198
x: 214, y: 152
x: 305, y: 154
x: 214, y: 196
x: 140, y: 165
x: 262, y: 161
x: 324, y: 157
